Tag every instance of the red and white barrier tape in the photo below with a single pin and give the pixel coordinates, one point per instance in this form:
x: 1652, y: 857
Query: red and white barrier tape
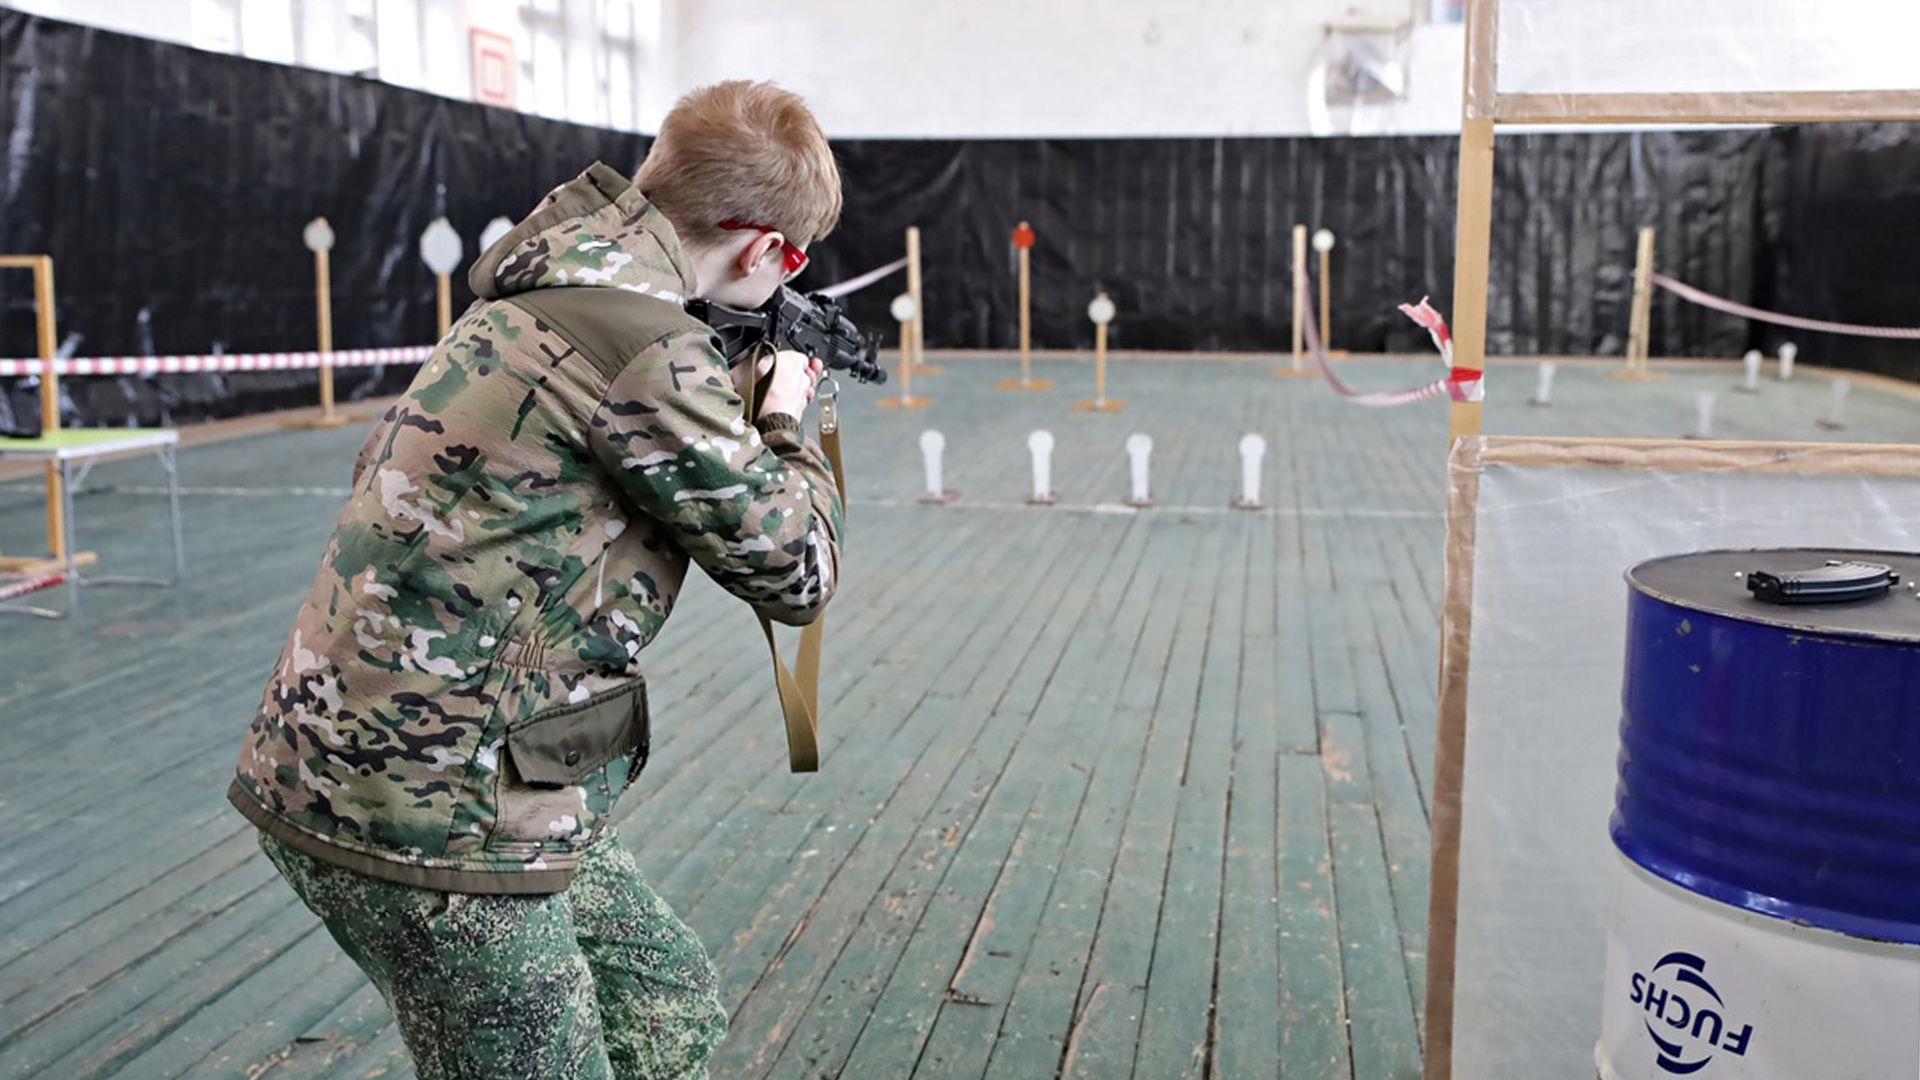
x: 185, y: 365
x: 1731, y: 307
x: 11, y: 589
x: 301, y: 361
x: 1460, y: 384
x: 297, y: 361
x: 855, y: 284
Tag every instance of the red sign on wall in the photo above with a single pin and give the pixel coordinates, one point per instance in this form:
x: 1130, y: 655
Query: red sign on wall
x: 494, y: 69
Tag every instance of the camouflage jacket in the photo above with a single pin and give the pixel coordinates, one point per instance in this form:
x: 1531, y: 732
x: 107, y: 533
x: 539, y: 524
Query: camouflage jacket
x: 459, y: 702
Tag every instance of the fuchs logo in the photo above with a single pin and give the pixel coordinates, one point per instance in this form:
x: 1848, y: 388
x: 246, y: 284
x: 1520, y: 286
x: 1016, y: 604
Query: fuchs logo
x: 1685, y: 1017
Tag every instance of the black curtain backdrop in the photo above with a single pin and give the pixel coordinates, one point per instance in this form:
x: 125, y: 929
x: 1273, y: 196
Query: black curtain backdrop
x: 171, y: 186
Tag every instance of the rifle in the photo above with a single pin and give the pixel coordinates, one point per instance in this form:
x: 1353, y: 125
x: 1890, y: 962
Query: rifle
x: 788, y: 320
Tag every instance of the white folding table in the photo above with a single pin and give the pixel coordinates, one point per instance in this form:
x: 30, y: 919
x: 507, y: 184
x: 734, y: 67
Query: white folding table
x: 82, y: 447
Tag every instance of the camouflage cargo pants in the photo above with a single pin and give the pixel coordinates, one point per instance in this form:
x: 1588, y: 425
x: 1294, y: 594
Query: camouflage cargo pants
x: 599, y: 982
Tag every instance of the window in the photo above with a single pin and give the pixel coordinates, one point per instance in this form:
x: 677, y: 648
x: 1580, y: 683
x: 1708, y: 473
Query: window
x: 618, y: 90
x: 359, y: 45
x: 397, y: 41
x: 214, y: 25
x: 620, y: 41
x: 617, y: 20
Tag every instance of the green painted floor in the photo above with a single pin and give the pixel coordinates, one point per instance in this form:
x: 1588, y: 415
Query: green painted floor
x: 1106, y: 793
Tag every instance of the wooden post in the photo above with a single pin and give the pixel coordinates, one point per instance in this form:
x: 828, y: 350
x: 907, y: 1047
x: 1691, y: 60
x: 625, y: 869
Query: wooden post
x: 1472, y: 265
x: 323, y: 300
x: 1642, y: 302
x: 441, y: 249
x: 1473, y: 245
x: 49, y: 399
x: 46, y: 337
x: 912, y: 351
x: 918, y: 331
x: 907, y: 358
x: 1100, y: 365
x: 906, y: 313
x: 1101, y: 312
x: 445, y: 296
x: 1300, y: 301
x: 318, y: 237
x: 1326, y: 304
x: 1023, y: 244
x: 1640, y: 324
x: 906, y: 366
x: 1026, y: 319
x: 1299, y: 294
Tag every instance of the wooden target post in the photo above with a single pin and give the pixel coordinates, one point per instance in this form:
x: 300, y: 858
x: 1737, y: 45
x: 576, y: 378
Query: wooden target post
x: 440, y: 249
x: 45, y: 335
x: 1101, y: 311
x: 323, y: 310
x: 906, y: 312
x: 1023, y: 243
x: 918, y: 357
x: 1640, y: 325
x: 1300, y: 302
x: 1323, y: 244
x: 318, y: 237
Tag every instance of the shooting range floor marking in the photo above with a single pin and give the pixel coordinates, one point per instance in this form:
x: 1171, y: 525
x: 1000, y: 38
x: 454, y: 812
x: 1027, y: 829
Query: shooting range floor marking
x: 963, y: 505
x: 187, y: 492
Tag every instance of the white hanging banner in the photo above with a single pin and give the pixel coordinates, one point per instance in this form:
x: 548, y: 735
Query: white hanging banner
x: 1562, y: 47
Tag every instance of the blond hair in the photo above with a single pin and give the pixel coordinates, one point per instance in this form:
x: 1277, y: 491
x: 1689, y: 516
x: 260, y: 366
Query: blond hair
x: 746, y: 151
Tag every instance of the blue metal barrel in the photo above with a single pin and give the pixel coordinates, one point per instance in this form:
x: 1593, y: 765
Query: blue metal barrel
x: 1770, y: 754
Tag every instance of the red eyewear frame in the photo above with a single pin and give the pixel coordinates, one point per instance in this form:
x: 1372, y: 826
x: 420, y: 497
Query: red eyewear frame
x: 796, y: 260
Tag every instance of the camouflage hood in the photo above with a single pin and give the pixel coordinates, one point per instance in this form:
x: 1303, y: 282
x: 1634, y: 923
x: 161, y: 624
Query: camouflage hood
x: 597, y: 231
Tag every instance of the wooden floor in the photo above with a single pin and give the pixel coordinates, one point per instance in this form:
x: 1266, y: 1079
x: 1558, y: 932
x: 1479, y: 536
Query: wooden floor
x: 1106, y: 793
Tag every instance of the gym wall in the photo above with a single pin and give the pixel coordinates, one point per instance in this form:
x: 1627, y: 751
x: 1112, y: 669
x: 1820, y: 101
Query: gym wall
x: 1108, y: 69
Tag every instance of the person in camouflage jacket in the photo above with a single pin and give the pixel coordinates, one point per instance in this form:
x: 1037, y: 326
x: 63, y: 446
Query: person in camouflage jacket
x: 460, y: 701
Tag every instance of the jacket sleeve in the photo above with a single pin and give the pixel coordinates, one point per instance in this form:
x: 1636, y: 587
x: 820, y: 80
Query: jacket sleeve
x: 753, y: 504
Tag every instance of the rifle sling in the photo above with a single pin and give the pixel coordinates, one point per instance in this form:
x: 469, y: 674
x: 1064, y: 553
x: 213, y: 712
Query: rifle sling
x: 799, y: 688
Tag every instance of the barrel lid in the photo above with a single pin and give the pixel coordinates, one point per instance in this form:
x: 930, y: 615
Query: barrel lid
x: 1716, y: 582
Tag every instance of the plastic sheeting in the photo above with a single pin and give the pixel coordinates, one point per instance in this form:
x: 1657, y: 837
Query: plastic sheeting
x: 171, y: 187
x: 1706, y: 46
x: 1557, y: 523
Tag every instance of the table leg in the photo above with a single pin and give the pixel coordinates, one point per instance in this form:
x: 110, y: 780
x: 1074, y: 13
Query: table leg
x: 66, y: 535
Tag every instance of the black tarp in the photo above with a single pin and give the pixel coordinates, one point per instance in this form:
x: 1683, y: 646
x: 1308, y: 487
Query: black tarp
x: 1842, y: 240
x: 171, y: 186
x: 1193, y: 237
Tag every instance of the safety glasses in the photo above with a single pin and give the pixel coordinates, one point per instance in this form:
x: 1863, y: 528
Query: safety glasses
x: 796, y: 260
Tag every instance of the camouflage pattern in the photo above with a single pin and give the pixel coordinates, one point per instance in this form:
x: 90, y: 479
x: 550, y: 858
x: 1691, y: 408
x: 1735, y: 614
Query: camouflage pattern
x: 598, y: 982
x: 459, y: 702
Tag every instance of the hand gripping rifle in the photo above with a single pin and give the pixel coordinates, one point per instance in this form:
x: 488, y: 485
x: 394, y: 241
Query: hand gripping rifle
x: 805, y: 324
x: 812, y: 325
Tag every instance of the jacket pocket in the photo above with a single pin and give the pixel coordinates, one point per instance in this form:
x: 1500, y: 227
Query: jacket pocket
x: 562, y: 746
